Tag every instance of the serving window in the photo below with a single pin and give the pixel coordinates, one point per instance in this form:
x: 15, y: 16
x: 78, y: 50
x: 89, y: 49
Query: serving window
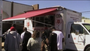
x: 42, y: 21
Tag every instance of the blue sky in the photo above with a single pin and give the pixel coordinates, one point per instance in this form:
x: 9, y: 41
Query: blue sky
x: 79, y: 6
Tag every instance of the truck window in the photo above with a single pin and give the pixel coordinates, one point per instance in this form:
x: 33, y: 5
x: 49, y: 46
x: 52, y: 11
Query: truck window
x: 75, y: 27
x: 87, y: 26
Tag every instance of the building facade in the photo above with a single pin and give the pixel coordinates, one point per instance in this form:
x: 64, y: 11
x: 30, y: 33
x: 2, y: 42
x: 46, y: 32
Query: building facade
x: 11, y: 8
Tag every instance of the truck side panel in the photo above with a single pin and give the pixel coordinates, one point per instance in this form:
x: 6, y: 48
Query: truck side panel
x: 71, y: 16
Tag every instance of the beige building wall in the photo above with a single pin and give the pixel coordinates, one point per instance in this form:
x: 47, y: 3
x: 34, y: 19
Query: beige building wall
x: 11, y: 8
x: 86, y: 20
x: 6, y: 9
x: 20, y: 8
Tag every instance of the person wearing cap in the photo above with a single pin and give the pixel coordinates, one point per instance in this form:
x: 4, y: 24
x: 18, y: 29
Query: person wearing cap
x: 12, y: 41
x: 4, y: 35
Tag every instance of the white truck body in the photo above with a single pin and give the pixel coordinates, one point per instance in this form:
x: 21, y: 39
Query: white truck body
x: 76, y: 34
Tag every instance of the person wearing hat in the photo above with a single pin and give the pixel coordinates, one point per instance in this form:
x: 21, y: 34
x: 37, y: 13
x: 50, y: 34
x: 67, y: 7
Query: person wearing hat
x: 12, y: 41
x: 4, y: 35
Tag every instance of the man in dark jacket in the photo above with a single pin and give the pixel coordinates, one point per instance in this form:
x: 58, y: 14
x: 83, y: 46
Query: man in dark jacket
x: 25, y: 36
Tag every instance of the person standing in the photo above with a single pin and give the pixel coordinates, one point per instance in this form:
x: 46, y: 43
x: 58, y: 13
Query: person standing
x: 45, y: 45
x: 25, y: 36
x: 53, y: 41
x: 4, y: 35
x: 60, y: 38
x: 13, y: 25
x: 34, y: 43
x: 12, y: 41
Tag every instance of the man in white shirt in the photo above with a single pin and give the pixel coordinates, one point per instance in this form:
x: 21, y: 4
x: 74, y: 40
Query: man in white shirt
x: 22, y: 35
x: 60, y: 38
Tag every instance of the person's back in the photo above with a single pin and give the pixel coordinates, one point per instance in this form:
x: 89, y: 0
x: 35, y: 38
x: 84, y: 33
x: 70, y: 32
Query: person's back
x: 26, y: 37
x: 12, y: 41
x: 53, y: 42
x: 45, y: 45
x: 59, y: 39
x: 4, y: 35
x: 34, y: 43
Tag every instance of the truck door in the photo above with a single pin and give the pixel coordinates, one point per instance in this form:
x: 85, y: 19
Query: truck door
x: 76, y: 37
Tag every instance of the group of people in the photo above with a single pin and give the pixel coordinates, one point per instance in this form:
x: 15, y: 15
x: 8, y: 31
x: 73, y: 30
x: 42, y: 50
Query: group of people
x: 50, y: 40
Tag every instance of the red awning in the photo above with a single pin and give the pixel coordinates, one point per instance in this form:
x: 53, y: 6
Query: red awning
x: 30, y: 14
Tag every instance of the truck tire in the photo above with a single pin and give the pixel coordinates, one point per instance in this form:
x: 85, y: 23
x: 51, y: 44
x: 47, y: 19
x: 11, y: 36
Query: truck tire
x: 88, y: 48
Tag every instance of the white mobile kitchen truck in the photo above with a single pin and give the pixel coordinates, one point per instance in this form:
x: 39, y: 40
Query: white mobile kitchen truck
x: 76, y: 33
